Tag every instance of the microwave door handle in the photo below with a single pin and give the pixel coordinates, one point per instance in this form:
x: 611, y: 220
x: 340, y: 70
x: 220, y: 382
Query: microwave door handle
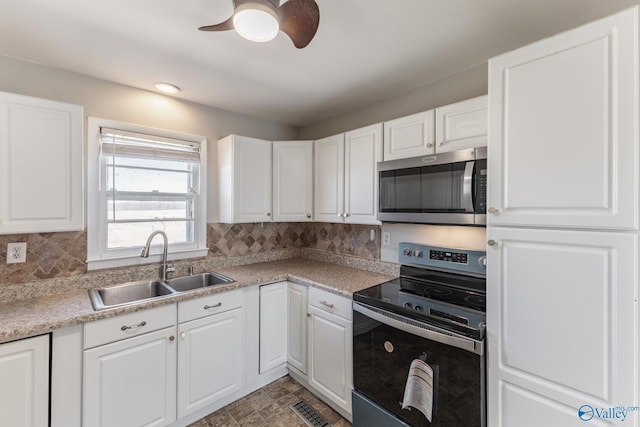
x: 467, y: 187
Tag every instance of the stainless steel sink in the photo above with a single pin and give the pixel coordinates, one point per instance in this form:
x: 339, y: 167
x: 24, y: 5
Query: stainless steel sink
x: 197, y: 281
x: 128, y: 293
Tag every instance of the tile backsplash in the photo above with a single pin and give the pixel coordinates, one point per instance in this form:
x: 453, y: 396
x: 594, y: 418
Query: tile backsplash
x: 52, y: 255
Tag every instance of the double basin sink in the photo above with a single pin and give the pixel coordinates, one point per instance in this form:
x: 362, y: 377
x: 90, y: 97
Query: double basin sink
x: 129, y: 293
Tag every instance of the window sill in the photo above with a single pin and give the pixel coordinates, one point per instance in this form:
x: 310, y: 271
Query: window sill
x: 128, y: 261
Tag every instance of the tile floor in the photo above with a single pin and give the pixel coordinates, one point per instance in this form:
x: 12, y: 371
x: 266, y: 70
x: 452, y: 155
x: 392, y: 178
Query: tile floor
x: 269, y: 406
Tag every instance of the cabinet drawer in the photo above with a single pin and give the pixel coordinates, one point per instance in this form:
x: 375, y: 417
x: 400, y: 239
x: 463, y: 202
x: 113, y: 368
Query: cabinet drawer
x: 331, y: 303
x: 211, y: 304
x: 128, y: 325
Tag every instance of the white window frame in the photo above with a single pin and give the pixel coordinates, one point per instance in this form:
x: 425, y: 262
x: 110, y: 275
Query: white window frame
x: 98, y: 256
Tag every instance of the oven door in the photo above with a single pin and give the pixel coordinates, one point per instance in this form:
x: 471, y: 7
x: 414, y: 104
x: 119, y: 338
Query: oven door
x: 384, y: 345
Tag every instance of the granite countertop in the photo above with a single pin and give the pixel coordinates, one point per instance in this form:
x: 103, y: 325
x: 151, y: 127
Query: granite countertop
x: 34, y: 316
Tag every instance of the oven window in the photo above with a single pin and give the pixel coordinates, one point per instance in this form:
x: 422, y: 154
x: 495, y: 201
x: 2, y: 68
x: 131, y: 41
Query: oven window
x: 423, y: 189
x: 381, y: 359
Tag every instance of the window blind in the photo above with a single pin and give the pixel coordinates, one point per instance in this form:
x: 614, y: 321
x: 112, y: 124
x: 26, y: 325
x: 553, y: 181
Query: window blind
x: 129, y: 144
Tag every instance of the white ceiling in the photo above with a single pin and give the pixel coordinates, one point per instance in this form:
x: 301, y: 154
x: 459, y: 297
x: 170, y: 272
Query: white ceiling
x: 364, y: 51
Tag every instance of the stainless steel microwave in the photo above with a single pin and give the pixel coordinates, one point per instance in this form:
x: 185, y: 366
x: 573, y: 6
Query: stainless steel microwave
x: 447, y: 188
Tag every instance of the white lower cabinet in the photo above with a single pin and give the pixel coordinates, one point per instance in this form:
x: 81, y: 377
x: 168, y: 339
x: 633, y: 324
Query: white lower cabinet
x: 273, y: 325
x: 210, y: 354
x: 140, y: 370
x: 297, y: 327
x: 561, y: 326
x: 132, y: 382
x: 330, y: 369
x: 24, y: 382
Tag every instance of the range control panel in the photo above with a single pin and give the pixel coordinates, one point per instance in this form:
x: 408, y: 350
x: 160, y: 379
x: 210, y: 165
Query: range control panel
x: 461, y: 260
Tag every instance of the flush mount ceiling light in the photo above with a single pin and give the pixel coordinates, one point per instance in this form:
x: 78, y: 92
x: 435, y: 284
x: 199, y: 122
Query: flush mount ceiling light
x: 167, y: 88
x: 260, y: 20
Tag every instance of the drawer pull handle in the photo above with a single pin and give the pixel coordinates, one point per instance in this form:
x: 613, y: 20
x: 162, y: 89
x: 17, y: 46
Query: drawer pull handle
x: 326, y: 304
x: 207, y: 307
x: 139, y: 325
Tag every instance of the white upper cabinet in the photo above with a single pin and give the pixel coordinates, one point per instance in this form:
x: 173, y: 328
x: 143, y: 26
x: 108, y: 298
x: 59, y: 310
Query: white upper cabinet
x: 346, y: 184
x: 462, y: 125
x: 362, y: 152
x: 244, y: 176
x: 451, y: 127
x: 409, y: 136
x: 41, y: 175
x: 563, y: 148
x: 328, y: 188
x: 292, y: 181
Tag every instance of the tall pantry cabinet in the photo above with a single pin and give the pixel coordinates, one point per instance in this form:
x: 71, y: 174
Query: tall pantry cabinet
x: 562, y: 278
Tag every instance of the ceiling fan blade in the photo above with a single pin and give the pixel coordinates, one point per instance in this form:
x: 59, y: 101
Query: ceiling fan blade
x: 299, y: 20
x: 223, y: 26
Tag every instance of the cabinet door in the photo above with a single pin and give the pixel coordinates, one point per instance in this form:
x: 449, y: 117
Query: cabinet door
x: 131, y: 383
x: 328, y: 189
x: 561, y: 325
x: 363, y: 150
x: 273, y: 325
x: 244, y: 173
x: 330, y: 356
x: 292, y: 181
x: 24, y: 382
x: 563, y: 128
x: 462, y: 125
x: 409, y: 136
x: 297, y: 327
x: 210, y: 359
x: 41, y: 152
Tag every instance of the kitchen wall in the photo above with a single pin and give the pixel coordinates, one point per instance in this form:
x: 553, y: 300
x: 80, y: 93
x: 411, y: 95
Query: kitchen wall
x: 113, y: 101
x: 55, y: 255
x: 52, y: 255
x: 466, y: 84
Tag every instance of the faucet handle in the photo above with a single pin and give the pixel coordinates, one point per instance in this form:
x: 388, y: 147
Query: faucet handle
x: 171, y: 268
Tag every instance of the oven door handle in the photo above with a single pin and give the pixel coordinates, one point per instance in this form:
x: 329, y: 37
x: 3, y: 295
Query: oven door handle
x: 425, y: 331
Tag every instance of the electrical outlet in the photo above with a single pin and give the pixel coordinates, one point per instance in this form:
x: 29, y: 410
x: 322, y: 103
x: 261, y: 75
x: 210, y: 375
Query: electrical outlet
x: 386, y: 238
x: 16, y: 252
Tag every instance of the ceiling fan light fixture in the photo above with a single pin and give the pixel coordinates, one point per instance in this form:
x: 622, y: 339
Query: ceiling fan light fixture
x: 256, y: 22
x: 167, y: 87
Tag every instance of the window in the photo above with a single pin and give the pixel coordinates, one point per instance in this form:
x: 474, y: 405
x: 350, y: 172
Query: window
x: 142, y: 180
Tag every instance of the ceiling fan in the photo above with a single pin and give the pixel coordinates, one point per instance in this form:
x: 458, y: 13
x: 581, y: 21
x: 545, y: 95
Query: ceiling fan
x: 260, y: 20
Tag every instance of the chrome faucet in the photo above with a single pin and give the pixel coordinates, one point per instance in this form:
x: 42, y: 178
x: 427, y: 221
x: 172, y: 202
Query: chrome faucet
x: 165, y: 246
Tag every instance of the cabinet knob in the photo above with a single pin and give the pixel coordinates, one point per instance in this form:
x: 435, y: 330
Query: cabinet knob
x: 346, y: 215
x: 429, y: 144
x: 172, y: 338
x: 308, y: 215
x: 183, y: 334
x: 440, y: 144
x: 491, y: 242
x: 493, y: 210
x: 268, y: 213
